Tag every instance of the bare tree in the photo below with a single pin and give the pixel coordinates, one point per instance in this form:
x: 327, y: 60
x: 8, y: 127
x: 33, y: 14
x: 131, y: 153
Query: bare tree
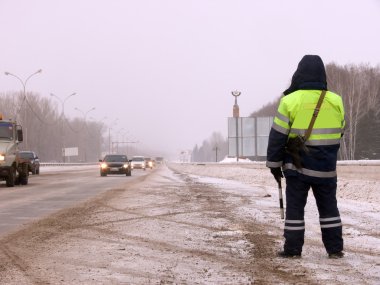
x: 207, y: 151
x: 10, y: 103
x: 359, y: 88
x: 42, y: 127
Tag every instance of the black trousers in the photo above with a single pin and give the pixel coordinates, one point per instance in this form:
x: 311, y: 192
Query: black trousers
x: 329, y: 218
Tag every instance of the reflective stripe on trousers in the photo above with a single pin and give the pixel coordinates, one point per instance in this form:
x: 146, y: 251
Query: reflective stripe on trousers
x: 333, y: 222
x: 330, y: 221
x: 294, y: 225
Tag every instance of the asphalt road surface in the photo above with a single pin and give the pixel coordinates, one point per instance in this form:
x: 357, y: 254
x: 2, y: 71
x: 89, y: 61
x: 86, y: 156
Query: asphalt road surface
x: 52, y: 191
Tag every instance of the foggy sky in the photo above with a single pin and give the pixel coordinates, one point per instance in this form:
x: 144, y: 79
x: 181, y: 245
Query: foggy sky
x: 166, y: 68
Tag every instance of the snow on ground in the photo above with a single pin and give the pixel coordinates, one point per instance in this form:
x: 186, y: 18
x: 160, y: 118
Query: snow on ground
x: 358, y: 202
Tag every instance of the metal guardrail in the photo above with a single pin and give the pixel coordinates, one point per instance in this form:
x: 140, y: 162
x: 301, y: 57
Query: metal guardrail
x: 365, y: 162
x: 68, y: 163
x: 339, y: 163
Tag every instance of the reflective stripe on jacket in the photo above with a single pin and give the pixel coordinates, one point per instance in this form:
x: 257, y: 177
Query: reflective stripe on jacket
x: 293, y: 118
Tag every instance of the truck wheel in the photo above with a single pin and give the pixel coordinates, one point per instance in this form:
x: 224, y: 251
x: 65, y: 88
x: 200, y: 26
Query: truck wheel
x: 38, y: 170
x: 24, y: 179
x: 24, y: 175
x: 10, y: 181
x: 129, y: 173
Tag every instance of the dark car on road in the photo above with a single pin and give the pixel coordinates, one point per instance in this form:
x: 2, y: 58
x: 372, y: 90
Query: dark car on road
x: 115, y: 164
x: 32, y: 159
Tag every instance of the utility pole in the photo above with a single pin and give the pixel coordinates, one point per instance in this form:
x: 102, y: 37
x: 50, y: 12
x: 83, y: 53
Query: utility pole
x: 86, y: 129
x: 63, y: 122
x: 216, y: 148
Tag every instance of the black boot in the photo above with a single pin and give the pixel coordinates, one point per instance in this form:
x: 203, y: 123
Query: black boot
x: 286, y: 254
x: 336, y: 255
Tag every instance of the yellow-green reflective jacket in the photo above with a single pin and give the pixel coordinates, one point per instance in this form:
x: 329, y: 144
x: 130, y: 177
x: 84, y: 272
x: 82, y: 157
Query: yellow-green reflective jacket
x: 293, y: 118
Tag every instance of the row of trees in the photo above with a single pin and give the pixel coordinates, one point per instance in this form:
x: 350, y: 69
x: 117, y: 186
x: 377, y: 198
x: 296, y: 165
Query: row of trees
x: 359, y: 86
x: 214, y: 149
x: 47, y: 131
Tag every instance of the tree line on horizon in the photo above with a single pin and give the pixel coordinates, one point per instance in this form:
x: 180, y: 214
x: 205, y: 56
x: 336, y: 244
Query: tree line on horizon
x: 213, y: 149
x: 46, y: 129
x: 359, y: 86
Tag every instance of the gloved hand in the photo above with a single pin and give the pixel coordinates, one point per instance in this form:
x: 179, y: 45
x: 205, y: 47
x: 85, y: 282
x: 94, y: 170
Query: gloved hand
x: 277, y: 173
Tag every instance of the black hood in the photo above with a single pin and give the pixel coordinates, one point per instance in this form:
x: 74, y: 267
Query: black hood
x: 310, y: 75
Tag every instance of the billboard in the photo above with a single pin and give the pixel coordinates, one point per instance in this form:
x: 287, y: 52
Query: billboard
x: 248, y: 136
x: 70, y: 151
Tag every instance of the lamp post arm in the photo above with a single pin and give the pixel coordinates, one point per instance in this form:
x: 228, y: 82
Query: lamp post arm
x: 18, y: 78
x: 64, y: 101
x: 26, y: 81
x: 67, y: 97
x: 59, y: 99
x: 85, y: 116
x: 23, y: 83
x: 79, y: 110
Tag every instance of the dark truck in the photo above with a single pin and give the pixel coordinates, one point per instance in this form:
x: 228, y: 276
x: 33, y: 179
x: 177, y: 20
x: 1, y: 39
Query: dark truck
x: 13, y: 169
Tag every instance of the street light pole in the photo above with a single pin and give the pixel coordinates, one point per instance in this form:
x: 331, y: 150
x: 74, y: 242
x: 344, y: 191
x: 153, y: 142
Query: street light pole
x: 102, y: 124
x: 123, y: 139
x: 85, y: 136
x: 236, y: 116
x: 109, y: 135
x: 63, y: 121
x: 117, y: 139
x: 23, y: 83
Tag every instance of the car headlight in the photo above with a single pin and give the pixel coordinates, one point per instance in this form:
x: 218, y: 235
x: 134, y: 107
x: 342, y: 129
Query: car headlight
x: 2, y: 157
x: 104, y: 165
x: 125, y: 165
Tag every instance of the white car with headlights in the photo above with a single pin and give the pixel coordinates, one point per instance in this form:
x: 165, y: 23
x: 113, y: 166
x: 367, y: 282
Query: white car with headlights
x: 148, y: 163
x: 138, y: 162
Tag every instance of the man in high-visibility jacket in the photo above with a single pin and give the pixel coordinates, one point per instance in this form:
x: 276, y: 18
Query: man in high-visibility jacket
x: 317, y: 166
